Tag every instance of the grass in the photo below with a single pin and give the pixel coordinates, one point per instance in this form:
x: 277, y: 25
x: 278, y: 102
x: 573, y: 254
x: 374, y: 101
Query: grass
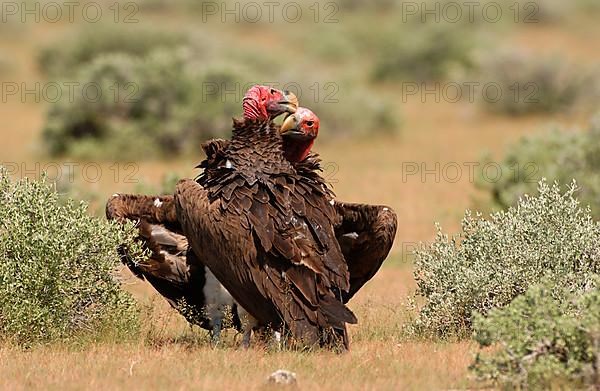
x: 367, y: 367
x: 175, y: 357
x: 368, y: 170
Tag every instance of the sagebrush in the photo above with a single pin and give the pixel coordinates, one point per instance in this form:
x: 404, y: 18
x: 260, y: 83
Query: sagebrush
x: 546, y: 236
x: 157, y: 102
x: 517, y: 82
x: 547, y: 337
x: 434, y: 52
x: 58, y: 275
x: 61, y: 58
x: 556, y: 154
x: 166, y: 93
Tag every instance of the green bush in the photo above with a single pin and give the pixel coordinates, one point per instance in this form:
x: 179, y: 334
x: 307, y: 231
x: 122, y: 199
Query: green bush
x: 64, y: 56
x: 523, y: 83
x: 157, y: 86
x: 168, y: 100
x: 543, y: 339
x: 423, y: 52
x: 58, y: 275
x: 557, y: 155
x: 492, y: 261
x: 156, y: 102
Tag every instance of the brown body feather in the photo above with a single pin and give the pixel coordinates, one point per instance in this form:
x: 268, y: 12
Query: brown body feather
x: 267, y: 234
x: 364, y: 232
x: 174, y: 271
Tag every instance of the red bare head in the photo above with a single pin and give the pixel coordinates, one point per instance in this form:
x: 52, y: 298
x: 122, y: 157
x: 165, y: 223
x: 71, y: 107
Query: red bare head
x: 266, y: 103
x: 299, y: 132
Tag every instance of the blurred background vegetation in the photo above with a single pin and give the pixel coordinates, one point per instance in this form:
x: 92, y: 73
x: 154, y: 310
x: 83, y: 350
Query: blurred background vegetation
x: 171, y: 74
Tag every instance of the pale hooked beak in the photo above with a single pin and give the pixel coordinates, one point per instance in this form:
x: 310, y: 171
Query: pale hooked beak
x: 291, y: 129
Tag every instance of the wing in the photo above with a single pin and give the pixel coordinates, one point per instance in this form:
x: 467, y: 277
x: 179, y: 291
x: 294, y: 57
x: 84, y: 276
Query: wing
x: 153, y: 209
x: 366, y: 235
x: 171, y: 269
x: 148, y: 211
x: 365, y: 232
x: 265, y: 255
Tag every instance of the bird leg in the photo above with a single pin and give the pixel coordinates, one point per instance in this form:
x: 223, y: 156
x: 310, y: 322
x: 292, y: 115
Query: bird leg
x: 277, y: 339
x: 248, y: 324
x: 217, y: 322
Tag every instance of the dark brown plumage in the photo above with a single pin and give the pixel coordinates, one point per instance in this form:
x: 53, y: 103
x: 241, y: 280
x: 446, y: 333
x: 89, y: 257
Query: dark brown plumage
x: 177, y: 274
x: 366, y: 235
x: 174, y: 271
x: 365, y: 232
x: 267, y: 234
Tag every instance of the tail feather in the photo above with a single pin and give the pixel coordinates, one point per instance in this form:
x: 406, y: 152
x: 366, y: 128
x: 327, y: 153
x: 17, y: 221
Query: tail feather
x: 336, y: 312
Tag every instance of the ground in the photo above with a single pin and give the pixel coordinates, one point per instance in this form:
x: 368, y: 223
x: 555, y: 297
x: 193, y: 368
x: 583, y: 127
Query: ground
x: 178, y: 358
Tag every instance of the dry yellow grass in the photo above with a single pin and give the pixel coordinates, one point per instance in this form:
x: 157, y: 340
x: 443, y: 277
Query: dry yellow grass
x: 410, y: 366
x: 174, y: 357
x: 376, y: 366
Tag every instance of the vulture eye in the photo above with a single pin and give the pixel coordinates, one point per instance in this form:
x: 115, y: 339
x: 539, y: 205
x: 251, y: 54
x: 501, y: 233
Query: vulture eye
x: 310, y: 123
x: 273, y: 91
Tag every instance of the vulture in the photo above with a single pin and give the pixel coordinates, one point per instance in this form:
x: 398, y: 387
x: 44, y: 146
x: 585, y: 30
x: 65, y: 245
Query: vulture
x: 267, y: 233
x: 364, y: 232
x: 173, y: 270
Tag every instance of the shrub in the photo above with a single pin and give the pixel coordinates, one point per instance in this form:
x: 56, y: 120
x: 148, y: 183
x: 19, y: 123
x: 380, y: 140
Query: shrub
x: 557, y: 155
x: 58, y: 271
x: 424, y: 52
x: 524, y: 83
x: 157, y: 91
x: 544, y: 338
x: 161, y: 104
x: 492, y: 261
x: 158, y: 104
x: 67, y: 54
